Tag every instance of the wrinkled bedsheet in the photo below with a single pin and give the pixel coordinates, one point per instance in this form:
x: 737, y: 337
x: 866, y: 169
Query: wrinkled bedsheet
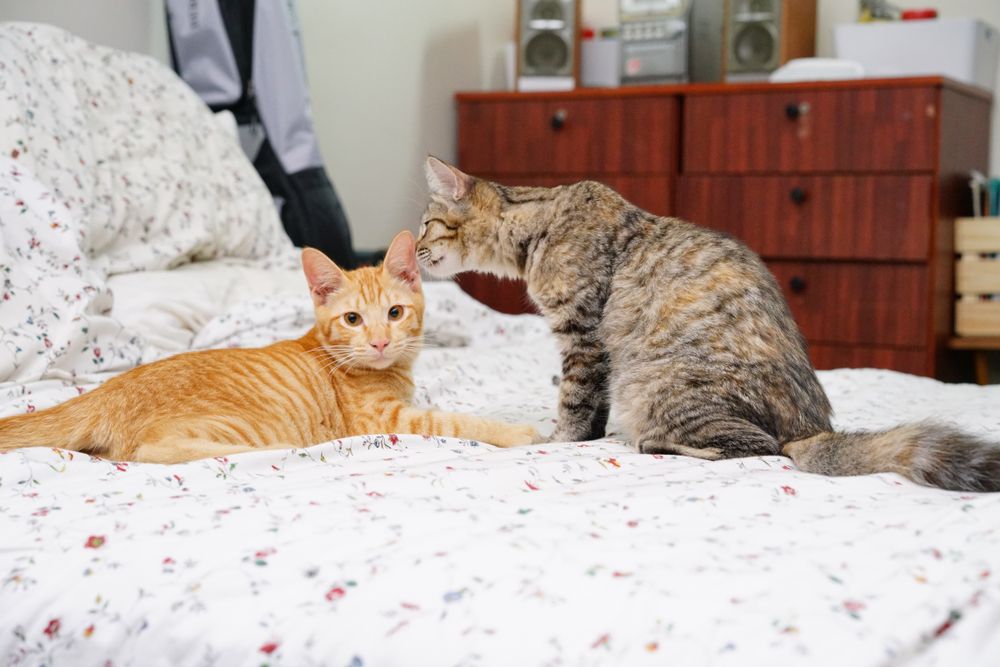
x: 389, y: 549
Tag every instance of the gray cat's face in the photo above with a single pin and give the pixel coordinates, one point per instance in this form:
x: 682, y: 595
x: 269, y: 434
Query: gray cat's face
x: 440, y: 242
x: 458, y: 230
x: 442, y: 246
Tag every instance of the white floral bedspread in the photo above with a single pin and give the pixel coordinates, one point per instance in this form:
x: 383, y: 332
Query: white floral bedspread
x: 401, y: 550
x: 385, y: 550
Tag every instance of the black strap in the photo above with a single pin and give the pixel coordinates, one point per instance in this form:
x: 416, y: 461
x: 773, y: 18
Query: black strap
x: 238, y: 18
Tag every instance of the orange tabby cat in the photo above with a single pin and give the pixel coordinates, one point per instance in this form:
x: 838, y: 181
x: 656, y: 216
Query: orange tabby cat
x: 349, y: 375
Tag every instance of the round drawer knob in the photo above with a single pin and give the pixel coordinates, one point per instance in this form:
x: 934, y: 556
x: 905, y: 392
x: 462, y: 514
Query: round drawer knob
x: 797, y: 284
x: 795, y: 111
x: 797, y: 195
x: 558, y: 120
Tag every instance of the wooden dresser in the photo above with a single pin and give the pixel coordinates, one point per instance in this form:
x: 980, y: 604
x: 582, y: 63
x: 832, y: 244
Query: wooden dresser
x: 848, y: 190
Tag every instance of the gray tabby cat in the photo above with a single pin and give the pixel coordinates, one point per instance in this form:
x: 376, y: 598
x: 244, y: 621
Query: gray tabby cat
x: 683, y: 328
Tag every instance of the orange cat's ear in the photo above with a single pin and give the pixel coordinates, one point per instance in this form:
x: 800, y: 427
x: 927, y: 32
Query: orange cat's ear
x: 445, y: 180
x: 401, y: 260
x: 324, y: 277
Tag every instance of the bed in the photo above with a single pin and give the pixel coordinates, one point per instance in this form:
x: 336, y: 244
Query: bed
x: 391, y: 548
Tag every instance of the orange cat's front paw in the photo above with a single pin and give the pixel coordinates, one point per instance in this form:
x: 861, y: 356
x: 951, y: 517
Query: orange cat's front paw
x: 516, y: 435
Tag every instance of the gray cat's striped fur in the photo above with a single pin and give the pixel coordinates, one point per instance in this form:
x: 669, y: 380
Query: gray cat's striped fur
x: 682, y: 328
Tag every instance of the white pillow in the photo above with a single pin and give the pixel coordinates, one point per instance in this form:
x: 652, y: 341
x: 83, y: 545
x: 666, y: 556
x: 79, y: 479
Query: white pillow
x: 154, y: 178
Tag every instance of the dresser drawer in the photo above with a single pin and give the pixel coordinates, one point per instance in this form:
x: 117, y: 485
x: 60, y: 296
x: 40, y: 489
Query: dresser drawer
x: 904, y: 360
x: 583, y: 137
x: 832, y: 217
x: 855, y: 302
x: 651, y: 193
x: 791, y: 130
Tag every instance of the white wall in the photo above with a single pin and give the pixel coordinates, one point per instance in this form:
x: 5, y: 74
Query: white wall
x: 382, y: 76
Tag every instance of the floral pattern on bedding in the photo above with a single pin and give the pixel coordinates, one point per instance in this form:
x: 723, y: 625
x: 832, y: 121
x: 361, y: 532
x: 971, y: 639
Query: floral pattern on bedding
x: 406, y: 550
x: 54, y: 304
x: 397, y: 549
x: 133, y: 153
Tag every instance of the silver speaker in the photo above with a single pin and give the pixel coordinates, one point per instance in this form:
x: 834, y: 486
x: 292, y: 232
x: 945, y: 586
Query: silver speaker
x: 754, y: 47
x: 748, y: 39
x: 548, y: 44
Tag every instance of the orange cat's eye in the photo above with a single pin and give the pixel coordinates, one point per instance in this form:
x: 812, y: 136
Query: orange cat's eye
x: 352, y: 318
x: 395, y: 312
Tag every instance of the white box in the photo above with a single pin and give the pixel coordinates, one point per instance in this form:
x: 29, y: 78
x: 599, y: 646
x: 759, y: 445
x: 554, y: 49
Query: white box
x: 600, y: 64
x: 963, y: 49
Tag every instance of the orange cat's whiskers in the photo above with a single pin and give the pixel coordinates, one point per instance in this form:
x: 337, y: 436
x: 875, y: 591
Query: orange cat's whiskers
x: 338, y: 360
x: 336, y: 349
x: 332, y: 355
x: 413, y: 344
x: 318, y: 348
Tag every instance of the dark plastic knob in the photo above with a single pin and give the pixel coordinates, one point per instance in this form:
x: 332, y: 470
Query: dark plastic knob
x: 558, y: 120
x: 797, y: 284
x: 797, y: 195
x: 793, y: 111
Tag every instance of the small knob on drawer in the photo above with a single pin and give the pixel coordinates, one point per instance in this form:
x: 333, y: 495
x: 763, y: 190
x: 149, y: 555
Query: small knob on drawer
x: 795, y: 111
x: 797, y: 195
x: 797, y: 284
x: 558, y: 120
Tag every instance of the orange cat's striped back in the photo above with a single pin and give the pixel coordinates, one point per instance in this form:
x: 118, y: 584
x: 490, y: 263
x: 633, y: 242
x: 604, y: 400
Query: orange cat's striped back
x: 222, y: 396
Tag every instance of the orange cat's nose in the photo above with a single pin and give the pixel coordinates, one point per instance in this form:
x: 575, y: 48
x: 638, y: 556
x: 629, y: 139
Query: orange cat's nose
x: 380, y: 345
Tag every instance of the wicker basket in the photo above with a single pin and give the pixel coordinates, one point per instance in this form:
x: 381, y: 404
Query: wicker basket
x: 977, y: 276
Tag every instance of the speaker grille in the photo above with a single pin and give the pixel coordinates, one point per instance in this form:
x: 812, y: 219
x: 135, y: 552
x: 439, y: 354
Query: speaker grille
x: 546, y: 54
x: 548, y: 10
x: 546, y: 38
x: 754, y: 46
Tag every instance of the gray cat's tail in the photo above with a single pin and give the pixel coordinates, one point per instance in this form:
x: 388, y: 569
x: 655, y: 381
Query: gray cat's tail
x: 927, y: 453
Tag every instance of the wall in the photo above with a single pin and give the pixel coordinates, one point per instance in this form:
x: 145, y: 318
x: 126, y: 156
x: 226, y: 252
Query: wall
x: 382, y: 75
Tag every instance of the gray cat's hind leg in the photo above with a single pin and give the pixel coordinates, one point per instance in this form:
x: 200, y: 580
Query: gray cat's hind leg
x: 722, y: 438
x: 662, y: 417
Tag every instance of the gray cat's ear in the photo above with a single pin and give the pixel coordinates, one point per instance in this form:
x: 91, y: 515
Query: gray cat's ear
x: 324, y: 277
x: 445, y: 180
x: 401, y: 260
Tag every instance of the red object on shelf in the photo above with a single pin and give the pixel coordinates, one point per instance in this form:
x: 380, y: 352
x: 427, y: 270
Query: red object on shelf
x: 915, y: 14
x: 586, y: 33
